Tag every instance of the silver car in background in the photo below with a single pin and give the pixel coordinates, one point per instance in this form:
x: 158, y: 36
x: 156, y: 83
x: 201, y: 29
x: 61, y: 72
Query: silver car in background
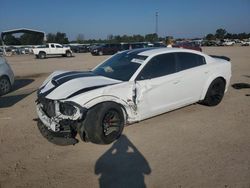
x: 6, y: 76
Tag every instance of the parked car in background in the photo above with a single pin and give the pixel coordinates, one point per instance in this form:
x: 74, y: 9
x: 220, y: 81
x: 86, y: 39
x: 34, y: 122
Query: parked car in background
x: 110, y: 49
x: 93, y: 46
x: 6, y: 76
x: 188, y: 45
x: 130, y: 86
x: 106, y: 49
x: 228, y: 43
x: 52, y: 49
x: 159, y: 44
x: 80, y: 48
x: 1, y: 51
x: 245, y: 43
x: 136, y: 45
x: 208, y: 43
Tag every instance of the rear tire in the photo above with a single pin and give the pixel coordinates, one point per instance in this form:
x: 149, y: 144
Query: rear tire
x: 42, y: 55
x: 5, y: 85
x: 215, y: 92
x: 104, y: 123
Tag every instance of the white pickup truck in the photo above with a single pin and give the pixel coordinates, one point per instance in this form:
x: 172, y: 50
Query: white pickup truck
x: 52, y: 49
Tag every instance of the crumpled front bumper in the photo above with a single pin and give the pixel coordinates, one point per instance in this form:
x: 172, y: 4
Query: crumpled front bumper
x: 56, y: 129
x: 50, y: 123
x: 58, y: 138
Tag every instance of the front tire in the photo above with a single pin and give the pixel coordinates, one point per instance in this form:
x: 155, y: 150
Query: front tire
x: 104, y: 123
x: 68, y: 54
x: 5, y: 85
x: 215, y: 92
x: 100, y: 53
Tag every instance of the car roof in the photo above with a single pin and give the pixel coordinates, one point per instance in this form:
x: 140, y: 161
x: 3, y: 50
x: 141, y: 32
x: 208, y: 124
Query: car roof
x: 155, y: 51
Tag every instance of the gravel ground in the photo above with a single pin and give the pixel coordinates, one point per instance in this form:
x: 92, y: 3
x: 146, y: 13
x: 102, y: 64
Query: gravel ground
x: 195, y: 146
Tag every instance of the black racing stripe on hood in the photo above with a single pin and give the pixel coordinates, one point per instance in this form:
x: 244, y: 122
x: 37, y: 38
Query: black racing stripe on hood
x: 65, y: 74
x: 87, y: 89
x: 42, y: 95
x: 71, y: 77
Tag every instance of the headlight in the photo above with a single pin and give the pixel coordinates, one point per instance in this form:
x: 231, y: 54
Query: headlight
x: 67, y: 109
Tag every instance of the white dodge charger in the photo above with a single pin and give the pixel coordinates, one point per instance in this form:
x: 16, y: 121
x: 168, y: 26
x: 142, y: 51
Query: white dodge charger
x: 128, y: 87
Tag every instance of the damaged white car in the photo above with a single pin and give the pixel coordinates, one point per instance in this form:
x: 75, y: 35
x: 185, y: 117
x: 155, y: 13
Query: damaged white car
x: 128, y: 87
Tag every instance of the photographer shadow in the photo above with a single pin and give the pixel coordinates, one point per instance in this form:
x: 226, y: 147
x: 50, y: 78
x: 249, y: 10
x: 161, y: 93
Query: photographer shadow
x: 122, y: 166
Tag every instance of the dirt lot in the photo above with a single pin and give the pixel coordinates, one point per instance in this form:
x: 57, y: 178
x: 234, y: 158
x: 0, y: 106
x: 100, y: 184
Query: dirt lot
x: 195, y: 146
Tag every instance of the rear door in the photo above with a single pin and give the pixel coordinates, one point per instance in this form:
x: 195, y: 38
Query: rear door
x: 193, y: 70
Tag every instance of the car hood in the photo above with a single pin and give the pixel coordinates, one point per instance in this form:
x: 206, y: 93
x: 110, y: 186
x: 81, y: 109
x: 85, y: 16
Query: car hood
x: 65, y: 84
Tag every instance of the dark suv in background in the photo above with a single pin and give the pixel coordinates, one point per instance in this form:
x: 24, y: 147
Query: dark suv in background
x: 106, y: 49
x: 80, y: 48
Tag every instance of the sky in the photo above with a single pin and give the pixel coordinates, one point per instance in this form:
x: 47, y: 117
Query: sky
x: 100, y: 18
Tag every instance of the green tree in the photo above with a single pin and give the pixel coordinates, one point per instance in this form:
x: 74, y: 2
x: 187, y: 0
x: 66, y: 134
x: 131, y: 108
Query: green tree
x: 117, y: 39
x: 138, y: 38
x: 229, y: 36
x: 9, y: 39
x: 59, y: 37
x: 31, y: 39
x: 51, y: 37
x: 210, y: 36
x: 220, y: 33
x: 80, y: 38
x: 242, y: 36
x: 151, y: 37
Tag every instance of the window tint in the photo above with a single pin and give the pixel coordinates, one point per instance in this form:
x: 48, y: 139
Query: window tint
x: 158, y: 66
x: 52, y: 46
x: 57, y: 46
x: 189, y: 60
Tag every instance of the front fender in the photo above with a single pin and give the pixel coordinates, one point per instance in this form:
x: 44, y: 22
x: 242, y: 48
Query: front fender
x: 128, y: 106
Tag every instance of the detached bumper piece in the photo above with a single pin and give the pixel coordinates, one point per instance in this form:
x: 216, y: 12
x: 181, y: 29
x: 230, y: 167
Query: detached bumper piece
x: 62, y: 138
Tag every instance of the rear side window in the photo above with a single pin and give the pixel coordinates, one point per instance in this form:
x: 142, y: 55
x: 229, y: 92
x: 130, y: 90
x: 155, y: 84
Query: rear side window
x: 158, y: 66
x: 189, y: 60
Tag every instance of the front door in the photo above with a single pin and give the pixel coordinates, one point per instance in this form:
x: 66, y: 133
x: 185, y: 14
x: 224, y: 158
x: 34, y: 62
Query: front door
x: 158, y: 86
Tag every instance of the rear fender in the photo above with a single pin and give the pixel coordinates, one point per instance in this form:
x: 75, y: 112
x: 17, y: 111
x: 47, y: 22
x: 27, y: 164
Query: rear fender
x: 207, y: 84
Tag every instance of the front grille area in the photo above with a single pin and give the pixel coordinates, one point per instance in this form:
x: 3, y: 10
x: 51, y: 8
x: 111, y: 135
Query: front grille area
x: 48, y: 107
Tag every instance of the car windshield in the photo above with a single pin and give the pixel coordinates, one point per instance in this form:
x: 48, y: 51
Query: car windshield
x: 121, y: 66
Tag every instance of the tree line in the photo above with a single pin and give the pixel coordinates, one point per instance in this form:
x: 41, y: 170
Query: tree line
x: 152, y: 37
x: 60, y: 37
x: 223, y: 34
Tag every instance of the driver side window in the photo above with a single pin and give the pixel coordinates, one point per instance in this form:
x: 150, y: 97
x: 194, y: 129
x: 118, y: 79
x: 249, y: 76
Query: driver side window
x: 160, y: 65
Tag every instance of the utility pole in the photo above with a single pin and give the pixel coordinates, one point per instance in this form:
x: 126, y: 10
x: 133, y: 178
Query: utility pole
x: 156, y: 23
